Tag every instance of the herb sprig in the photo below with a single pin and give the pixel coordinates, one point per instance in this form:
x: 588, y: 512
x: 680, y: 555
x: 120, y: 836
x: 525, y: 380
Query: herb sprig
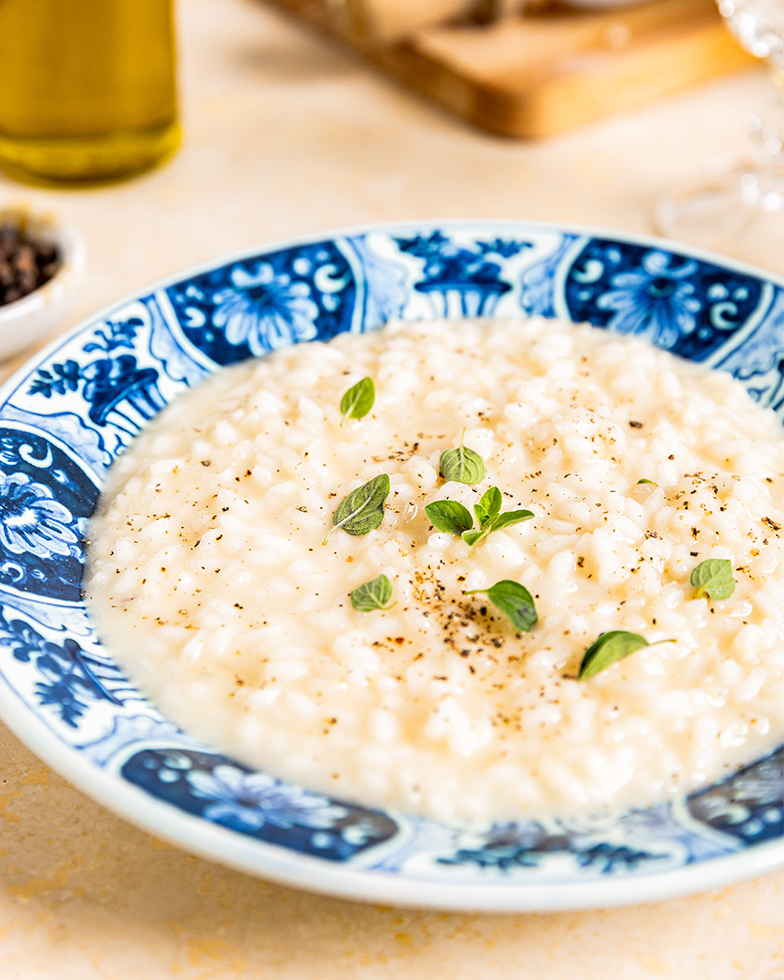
x: 452, y: 517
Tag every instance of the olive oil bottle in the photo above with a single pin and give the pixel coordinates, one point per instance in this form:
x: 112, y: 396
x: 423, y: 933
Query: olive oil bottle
x: 87, y: 89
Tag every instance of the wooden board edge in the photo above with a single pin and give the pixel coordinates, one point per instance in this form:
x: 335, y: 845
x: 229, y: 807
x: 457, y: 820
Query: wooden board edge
x: 559, y: 103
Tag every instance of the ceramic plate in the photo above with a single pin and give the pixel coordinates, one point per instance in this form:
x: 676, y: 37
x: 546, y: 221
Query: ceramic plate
x: 78, y: 404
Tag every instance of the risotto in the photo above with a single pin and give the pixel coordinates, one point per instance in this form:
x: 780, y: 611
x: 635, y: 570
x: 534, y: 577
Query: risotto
x: 254, y: 577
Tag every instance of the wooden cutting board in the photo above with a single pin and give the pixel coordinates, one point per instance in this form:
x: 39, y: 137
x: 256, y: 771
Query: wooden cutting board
x: 555, y: 69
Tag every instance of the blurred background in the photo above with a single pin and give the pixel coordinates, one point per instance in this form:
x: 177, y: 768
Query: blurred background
x: 301, y: 115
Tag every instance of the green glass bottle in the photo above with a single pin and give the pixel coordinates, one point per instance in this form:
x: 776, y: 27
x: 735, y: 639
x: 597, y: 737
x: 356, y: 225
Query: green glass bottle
x: 87, y: 89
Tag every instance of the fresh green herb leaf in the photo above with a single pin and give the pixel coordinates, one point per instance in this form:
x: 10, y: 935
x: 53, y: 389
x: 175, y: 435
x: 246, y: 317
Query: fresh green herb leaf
x: 454, y: 518
x: 372, y: 595
x: 608, y: 649
x: 509, y: 518
x: 449, y: 516
x: 713, y: 578
x: 363, y: 509
x: 495, y: 523
x: 514, y: 601
x: 462, y: 465
x: 358, y: 400
x: 489, y: 506
x: 643, y: 480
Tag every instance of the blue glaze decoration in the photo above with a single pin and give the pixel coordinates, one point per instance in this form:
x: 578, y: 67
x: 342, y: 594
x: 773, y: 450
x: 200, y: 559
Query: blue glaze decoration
x: 253, y: 803
x: 461, y: 280
x: 749, y: 806
x: 265, y: 302
x: 70, y: 677
x: 117, y: 389
x: 676, y: 302
x: 45, y: 500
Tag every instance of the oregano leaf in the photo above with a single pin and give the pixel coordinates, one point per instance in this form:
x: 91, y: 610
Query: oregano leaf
x: 372, y: 595
x: 713, y: 578
x: 514, y: 601
x: 358, y: 400
x: 462, y: 465
x: 454, y: 518
x: 608, y: 649
x: 449, y: 516
x: 509, y: 518
x: 489, y: 506
x: 363, y: 509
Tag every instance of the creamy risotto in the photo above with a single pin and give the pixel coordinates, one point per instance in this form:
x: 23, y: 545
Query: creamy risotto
x: 209, y: 579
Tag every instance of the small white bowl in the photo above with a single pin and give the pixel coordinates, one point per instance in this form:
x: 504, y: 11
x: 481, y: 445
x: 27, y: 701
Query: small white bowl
x: 27, y: 320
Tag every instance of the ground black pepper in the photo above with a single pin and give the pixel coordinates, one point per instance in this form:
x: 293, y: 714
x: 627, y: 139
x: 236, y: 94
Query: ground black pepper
x: 25, y: 263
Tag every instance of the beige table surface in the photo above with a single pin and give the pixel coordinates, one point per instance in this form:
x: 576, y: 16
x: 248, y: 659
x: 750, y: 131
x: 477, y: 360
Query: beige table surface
x: 287, y: 134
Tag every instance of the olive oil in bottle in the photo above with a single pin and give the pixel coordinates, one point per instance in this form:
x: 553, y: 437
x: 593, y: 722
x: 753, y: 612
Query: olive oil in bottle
x: 87, y: 89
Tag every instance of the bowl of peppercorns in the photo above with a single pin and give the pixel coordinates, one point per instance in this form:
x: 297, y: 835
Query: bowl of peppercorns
x: 40, y: 263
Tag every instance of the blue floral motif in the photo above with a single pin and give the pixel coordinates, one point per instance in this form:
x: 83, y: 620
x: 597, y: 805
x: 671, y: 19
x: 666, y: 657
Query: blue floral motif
x: 385, y: 289
x: 71, y: 676
x: 57, y: 381
x: 116, y: 388
x: 758, y: 362
x: 462, y: 280
x: 255, y: 804
x: 656, y: 302
x: 115, y: 334
x: 748, y: 805
x: 45, y: 499
x: 246, y: 801
x: 33, y: 522
x: 109, y: 383
x: 262, y: 303
x: 539, y: 281
x: 677, y: 302
x: 530, y: 845
x: 264, y: 310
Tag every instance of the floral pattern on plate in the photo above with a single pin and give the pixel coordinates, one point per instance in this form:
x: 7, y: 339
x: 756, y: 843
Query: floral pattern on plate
x: 676, y: 302
x: 264, y: 303
x: 257, y: 804
x: 45, y: 500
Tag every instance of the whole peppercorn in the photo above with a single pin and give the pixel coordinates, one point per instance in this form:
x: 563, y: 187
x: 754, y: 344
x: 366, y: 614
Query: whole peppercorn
x: 25, y: 263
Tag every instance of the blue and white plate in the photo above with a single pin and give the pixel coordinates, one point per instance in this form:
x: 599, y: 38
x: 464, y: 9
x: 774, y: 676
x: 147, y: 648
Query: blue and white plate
x: 77, y: 405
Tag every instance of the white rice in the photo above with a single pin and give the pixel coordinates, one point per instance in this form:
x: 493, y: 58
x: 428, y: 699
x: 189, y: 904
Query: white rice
x: 209, y: 581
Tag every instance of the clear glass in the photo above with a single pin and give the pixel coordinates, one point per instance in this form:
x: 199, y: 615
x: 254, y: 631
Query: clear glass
x: 87, y: 89
x: 740, y: 212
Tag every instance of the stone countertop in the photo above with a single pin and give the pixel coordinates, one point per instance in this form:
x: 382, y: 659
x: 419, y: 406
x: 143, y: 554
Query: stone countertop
x: 286, y: 133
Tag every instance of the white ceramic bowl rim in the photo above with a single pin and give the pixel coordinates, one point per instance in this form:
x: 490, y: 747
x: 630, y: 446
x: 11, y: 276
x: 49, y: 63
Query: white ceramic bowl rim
x: 29, y: 318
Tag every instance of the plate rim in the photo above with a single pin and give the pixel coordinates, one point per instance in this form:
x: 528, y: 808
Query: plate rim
x: 226, y: 258
x: 272, y: 862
